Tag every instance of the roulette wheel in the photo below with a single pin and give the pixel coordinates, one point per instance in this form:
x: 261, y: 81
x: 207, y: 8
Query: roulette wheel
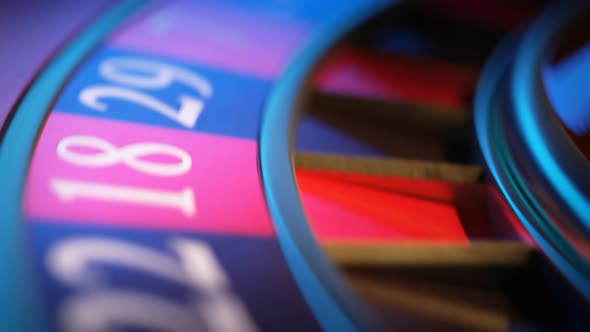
x: 294, y: 166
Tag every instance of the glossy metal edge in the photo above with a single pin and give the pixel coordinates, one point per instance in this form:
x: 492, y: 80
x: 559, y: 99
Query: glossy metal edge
x: 21, y: 303
x: 333, y: 304
x: 531, y: 113
x: 492, y: 147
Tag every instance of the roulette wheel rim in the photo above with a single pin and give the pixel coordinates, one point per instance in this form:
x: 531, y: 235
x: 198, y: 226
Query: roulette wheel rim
x: 525, y: 95
x: 526, y: 102
x: 318, y: 279
x: 21, y: 298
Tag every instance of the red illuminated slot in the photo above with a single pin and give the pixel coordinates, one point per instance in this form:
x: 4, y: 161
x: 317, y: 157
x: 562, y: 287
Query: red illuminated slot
x: 354, y: 207
x: 355, y: 72
x: 345, y: 211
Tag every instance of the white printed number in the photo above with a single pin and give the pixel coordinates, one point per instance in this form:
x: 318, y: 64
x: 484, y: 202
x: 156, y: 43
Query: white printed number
x: 69, y: 190
x: 146, y: 74
x: 131, y: 155
x: 74, y: 262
